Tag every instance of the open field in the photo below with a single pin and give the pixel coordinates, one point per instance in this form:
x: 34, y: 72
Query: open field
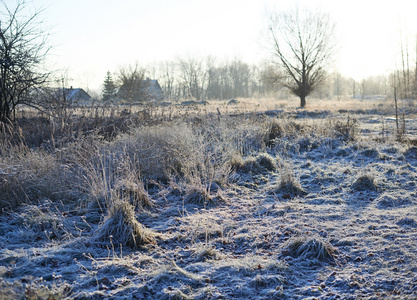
x: 261, y: 201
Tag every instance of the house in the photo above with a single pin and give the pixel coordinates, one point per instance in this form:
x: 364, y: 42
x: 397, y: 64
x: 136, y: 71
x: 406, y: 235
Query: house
x: 153, y: 89
x: 76, y: 95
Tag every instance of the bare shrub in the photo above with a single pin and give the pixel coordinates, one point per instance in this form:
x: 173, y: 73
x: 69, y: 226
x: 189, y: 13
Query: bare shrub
x: 121, y: 227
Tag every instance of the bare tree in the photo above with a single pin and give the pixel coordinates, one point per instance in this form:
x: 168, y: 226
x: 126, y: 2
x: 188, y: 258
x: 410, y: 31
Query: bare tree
x: 131, y: 83
x: 23, y: 49
x: 193, y: 75
x: 302, y: 42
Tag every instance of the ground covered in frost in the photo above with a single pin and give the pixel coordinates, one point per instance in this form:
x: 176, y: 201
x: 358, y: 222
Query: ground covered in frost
x: 328, y: 218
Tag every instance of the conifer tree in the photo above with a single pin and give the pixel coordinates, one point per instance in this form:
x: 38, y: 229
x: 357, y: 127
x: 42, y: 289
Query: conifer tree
x: 109, y: 88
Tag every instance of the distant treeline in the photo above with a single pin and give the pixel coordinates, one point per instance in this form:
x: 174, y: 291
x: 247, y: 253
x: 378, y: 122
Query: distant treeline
x: 209, y: 78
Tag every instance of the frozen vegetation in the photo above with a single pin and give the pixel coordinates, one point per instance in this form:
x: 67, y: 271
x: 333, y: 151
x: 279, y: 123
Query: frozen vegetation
x: 287, y: 204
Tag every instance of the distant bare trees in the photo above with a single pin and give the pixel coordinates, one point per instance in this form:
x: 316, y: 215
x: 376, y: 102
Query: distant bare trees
x: 193, y: 76
x: 405, y: 77
x: 208, y: 78
x: 23, y: 49
x: 302, y: 42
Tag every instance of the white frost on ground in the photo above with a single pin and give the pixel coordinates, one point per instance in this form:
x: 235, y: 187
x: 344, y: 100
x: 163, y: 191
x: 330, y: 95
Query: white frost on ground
x: 241, y: 247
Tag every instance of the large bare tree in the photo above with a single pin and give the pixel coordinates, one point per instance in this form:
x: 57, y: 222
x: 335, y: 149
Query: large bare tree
x: 131, y: 81
x: 23, y: 49
x: 303, y: 45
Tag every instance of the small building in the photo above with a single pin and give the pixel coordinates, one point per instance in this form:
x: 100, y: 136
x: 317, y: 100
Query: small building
x: 76, y: 95
x: 153, y: 89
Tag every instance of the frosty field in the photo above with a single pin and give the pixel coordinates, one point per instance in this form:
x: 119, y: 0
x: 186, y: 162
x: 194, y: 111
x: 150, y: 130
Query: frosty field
x: 272, y: 203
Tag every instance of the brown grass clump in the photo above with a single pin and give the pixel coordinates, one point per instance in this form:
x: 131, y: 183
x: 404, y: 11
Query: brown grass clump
x: 121, y: 227
x: 313, y: 248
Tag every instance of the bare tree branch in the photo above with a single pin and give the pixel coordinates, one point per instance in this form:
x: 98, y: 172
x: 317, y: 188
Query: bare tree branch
x: 23, y: 49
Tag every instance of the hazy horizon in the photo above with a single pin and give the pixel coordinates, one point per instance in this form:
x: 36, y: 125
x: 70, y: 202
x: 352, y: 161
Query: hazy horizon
x: 89, y: 38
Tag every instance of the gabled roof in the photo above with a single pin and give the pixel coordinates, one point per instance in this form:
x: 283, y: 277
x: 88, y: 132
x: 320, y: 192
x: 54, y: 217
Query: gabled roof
x: 72, y: 94
x: 153, y: 88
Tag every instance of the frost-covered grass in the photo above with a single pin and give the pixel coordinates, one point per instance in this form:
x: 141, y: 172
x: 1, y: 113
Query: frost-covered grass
x: 289, y: 204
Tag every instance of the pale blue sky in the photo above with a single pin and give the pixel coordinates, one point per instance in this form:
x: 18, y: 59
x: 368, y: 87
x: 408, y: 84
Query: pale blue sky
x: 90, y: 37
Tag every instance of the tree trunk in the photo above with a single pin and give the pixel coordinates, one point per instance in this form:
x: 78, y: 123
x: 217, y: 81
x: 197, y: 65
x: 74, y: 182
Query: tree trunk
x: 302, y: 101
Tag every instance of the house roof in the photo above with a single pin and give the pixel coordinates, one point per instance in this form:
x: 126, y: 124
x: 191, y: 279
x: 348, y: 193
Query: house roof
x: 76, y: 94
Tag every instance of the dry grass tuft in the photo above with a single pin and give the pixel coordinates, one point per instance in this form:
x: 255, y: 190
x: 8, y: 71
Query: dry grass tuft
x: 266, y: 280
x: 135, y: 192
x: 365, y: 182
x: 411, y: 153
x: 289, y: 184
x: 407, y: 222
x: 346, y: 131
x: 121, y: 227
x: 314, y: 248
x: 206, y: 252
x: 36, y: 289
x: 262, y: 162
x: 41, y: 220
x: 249, y: 164
x: 267, y: 162
x: 198, y: 195
x: 275, y: 131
